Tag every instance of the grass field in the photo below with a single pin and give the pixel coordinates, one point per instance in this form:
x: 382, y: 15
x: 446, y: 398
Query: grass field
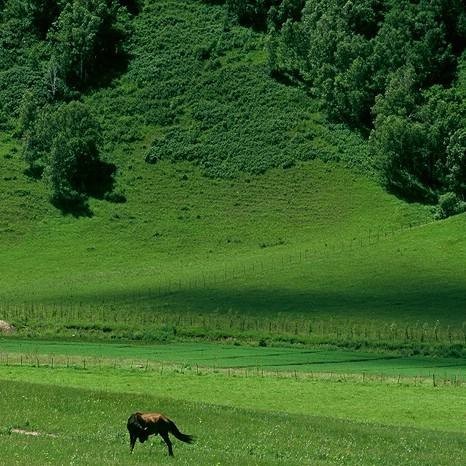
x: 171, y: 229
x: 314, y: 244
x: 263, y: 247
x: 251, y: 421
x: 256, y: 252
x: 192, y: 356
x: 402, y: 288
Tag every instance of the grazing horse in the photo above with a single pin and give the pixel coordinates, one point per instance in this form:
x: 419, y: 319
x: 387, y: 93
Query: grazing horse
x: 141, y: 425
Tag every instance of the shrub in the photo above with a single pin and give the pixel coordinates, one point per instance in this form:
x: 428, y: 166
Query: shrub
x: 449, y: 204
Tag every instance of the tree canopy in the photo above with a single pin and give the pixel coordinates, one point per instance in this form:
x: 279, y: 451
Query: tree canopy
x: 394, y: 69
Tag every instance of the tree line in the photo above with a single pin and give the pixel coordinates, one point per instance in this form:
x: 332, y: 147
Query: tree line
x: 54, y: 50
x: 393, y: 69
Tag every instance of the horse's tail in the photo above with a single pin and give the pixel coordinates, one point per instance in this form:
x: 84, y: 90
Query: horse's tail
x: 180, y: 436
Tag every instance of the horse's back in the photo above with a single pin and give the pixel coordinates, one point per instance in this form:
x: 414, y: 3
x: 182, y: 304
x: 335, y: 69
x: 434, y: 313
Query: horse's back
x: 154, y: 418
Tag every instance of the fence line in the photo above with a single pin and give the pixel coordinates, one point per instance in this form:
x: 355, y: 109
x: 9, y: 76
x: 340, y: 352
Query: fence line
x: 57, y: 362
x: 103, y: 316
x: 259, y: 266
x: 147, y: 324
x: 101, y: 320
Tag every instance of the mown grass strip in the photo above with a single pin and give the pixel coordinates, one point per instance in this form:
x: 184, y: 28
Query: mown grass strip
x: 268, y: 360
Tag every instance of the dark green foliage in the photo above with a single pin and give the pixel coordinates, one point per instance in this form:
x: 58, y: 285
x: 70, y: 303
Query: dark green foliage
x: 32, y: 17
x: 251, y: 12
x: 256, y: 13
x: 449, y: 204
x: 330, y: 48
x: 63, y: 143
x: 390, y: 66
x: 456, y: 161
x: 74, y: 152
x: 208, y: 94
x: 87, y: 38
x: 49, y: 51
x: 203, y: 94
x: 57, y: 46
x: 413, y: 135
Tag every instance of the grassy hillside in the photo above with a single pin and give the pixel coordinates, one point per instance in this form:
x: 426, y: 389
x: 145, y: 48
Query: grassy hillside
x: 313, y: 238
x: 176, y: 221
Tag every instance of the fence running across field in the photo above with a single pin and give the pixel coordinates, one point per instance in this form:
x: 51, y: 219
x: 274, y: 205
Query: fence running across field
x: 44, y: 361
x: 146, y: 324
x: 137, y: 319
x: 197, y: 277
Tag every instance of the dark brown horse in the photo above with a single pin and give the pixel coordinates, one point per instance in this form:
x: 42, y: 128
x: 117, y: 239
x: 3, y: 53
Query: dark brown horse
x: 141, y: 425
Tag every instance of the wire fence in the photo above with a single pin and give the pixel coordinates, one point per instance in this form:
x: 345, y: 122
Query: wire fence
x: 51, y: 362
x: 198, y: 277
x: 263, y: 264
x: 127, y: 319
x: 105, y: 321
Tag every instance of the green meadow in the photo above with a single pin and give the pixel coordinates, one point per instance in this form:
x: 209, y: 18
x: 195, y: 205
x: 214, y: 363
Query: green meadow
x: 270, y: 247
x: 250, y: 277
x: 244, y: 360
x: 80, y: 417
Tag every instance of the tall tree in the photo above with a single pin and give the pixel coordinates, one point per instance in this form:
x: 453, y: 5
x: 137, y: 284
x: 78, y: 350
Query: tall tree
x: 75, y: 37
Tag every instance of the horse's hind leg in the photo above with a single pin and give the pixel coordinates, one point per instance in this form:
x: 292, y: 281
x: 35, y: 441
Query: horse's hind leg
x: 167, y: 440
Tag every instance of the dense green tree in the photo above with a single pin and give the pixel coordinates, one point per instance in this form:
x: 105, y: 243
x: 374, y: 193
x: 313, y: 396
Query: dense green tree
x: 62, y: 142
x: 74, y: 152
x: 28, y: 17
x: 285, y: 10
x: 398, y: 146
x: 417, y: 136
x: 87, y: 37
x: 456, y: 162
x: 75, y: 35
x: 390, y: 67
x: 449, y: 204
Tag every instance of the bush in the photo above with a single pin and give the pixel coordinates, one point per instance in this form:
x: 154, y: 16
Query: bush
x: 449, y: 204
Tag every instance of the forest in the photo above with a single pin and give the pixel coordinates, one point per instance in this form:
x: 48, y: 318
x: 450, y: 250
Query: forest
x: 392, y: 71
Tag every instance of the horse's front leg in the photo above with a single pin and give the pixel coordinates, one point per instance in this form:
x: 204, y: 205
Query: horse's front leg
x: 167, y: 440
x: 132, y: 441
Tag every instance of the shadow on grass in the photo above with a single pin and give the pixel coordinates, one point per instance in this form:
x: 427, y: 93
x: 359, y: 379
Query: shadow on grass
x: 420, y: 303
x: 99, y: 184
x: 74, y: 207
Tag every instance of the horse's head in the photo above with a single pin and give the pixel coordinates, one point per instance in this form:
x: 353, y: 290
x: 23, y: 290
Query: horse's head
x: 143, y: 435
x: 136, y: 430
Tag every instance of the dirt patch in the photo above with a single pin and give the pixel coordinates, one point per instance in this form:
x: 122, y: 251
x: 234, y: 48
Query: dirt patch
x: 6, y: 327
x: 32, y: 433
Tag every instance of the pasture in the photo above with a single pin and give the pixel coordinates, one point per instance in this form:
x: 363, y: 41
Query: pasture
x: 244, y: 360
x: 315, y: 253
x: 250, y: 420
